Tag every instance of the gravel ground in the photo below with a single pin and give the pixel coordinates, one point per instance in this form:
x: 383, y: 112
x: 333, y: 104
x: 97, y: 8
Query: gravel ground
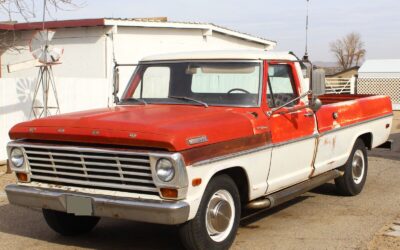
x: 316, y: 220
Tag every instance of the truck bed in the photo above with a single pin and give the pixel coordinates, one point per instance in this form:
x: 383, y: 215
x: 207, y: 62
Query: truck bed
x: 350, y: 109
x: 335, y: 98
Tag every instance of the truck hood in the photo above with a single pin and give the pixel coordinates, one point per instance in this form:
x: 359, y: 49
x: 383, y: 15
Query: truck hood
x: 166, y: 127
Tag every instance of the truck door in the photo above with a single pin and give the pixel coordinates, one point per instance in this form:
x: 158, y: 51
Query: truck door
x: 292, y: 128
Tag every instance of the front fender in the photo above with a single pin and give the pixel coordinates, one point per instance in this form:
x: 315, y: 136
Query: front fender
x: 254, y: 164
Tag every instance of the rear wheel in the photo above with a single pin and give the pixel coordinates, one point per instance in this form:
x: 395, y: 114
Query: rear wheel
x: 217, y: 219
x: 69, y: 224
x: 355, y: 171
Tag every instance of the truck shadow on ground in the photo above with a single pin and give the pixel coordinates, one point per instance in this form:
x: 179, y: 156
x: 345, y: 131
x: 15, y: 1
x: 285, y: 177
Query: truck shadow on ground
x: 326, y: 189
x: 393, y: 154
x: 250, y: 217
x: 111, y: 233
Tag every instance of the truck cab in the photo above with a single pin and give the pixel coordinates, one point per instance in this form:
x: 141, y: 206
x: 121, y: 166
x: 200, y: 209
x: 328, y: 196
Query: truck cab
x: 196, y: 138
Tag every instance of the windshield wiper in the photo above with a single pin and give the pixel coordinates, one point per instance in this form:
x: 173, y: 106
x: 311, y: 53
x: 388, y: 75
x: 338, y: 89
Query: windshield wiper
x: 189, y: 99
x: 141, y: 100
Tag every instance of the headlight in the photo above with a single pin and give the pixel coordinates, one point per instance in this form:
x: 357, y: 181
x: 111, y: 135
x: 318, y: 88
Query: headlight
x: 165, y: 170
x: 17, y: 157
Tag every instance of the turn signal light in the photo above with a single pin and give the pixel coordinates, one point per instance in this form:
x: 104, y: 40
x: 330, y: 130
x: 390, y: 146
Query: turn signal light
x: 22, y: 177
x: 169, y: 193
x: 196, y: 182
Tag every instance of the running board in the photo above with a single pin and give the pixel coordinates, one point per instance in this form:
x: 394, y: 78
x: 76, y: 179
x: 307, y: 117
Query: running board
x: 289, y: 193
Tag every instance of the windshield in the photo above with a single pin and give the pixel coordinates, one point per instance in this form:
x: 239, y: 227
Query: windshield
x: 195, y: 83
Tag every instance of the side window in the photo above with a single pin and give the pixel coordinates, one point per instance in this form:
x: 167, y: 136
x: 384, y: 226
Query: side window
x: 155, y: 83
x: 280, y: 88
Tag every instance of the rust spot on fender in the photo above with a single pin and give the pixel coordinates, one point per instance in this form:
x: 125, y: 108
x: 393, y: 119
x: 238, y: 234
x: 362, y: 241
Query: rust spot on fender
x: 314, y: 157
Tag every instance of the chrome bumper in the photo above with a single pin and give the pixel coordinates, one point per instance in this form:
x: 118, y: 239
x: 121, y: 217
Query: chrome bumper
x: 153, y: 211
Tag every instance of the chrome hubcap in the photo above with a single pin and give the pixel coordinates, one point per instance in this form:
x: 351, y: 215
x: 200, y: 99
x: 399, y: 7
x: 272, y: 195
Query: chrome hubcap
x: 220, y: 215
x: 358, y: 165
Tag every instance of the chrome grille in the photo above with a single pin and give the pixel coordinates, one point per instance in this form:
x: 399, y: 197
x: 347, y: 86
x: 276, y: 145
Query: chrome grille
x: 91, y: 168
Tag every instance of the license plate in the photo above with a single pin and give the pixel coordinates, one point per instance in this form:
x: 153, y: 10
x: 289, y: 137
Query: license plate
x: 79, y: 205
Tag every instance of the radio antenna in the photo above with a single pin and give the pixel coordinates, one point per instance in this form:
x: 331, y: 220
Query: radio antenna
x: 305, y: 57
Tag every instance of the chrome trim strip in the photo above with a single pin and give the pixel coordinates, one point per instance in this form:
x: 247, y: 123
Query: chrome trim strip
x: 355, y: 124
x: 296, y: 140
x: 98, y: 177
x: 128, y: 188
x: 88, y: 163
x: 134, y: 167
x: 254, y: 150
x: 260, y: 84
x: 89, y: 169
x: 86, y: 156
x: 21, y: 143
x: 153, y: 211
x: 228, y: 156
x: 225, y: 157
x: 198, y: 60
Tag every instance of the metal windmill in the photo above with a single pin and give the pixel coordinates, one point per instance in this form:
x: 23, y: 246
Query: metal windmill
x: 48, y: 56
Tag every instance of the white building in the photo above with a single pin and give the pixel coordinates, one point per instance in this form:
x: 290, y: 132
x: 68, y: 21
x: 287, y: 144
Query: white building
x: 380, y: 77
x: 91, y: 46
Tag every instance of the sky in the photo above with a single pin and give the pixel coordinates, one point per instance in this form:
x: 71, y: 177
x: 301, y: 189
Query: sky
x: 378, y: 21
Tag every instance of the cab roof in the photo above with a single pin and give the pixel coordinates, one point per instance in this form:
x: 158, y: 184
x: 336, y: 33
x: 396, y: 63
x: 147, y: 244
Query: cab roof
x: 222, y: 55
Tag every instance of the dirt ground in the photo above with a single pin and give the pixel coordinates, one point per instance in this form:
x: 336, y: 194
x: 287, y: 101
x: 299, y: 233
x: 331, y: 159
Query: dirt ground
x: 320, y: 219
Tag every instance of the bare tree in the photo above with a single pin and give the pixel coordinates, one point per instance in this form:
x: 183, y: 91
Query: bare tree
x: 12, y: 10
x: 26, y: 9
x: 349, y: 50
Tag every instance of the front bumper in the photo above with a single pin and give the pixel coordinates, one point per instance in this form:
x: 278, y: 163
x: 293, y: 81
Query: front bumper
x: 152, y: 211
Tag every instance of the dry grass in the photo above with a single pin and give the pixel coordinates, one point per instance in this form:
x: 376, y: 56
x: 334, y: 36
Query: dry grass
x: 383, y: 242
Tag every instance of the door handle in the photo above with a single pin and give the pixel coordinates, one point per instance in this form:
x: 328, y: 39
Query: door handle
x: 309, y: 114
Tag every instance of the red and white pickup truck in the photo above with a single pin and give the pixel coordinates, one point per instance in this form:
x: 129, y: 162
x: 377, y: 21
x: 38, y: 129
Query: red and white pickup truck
x: 196, y: 138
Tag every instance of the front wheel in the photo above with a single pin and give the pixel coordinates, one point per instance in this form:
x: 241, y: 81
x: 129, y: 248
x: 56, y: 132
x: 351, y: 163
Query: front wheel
x: 217, y: 219
x: 355, y: 171
x: 69, y: 224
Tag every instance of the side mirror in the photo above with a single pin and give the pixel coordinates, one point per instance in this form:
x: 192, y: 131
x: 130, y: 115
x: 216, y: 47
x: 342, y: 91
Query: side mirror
x: 318, y: 82
x: 116, y: 84
x: 315, y: 104
x: 272, y: 111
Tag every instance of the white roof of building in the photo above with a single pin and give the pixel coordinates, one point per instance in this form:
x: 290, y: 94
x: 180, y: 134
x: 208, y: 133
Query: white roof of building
x: 223, y: 55
x: 380, y: 66
x: 207, y: 28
